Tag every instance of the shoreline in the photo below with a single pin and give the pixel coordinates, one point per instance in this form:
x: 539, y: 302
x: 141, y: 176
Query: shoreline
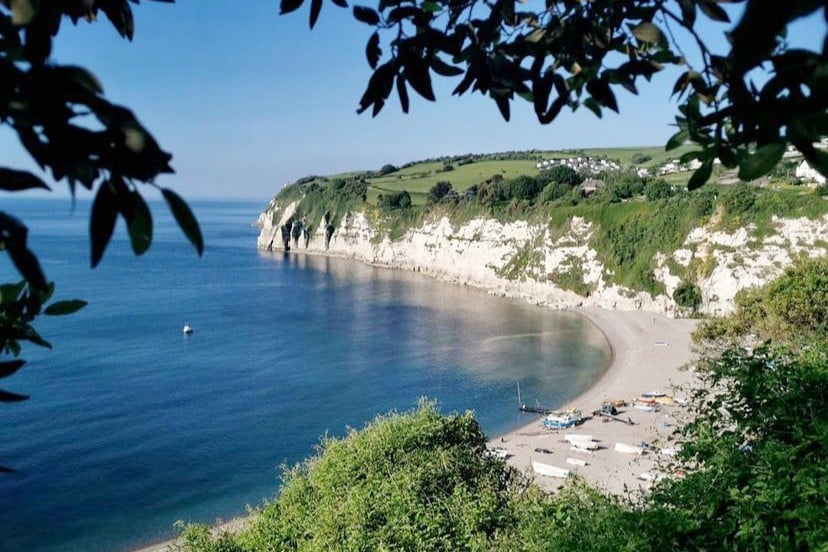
x: 637, y: 365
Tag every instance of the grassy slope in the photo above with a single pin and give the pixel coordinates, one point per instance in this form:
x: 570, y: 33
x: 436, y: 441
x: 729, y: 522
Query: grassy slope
x: 418, y: 178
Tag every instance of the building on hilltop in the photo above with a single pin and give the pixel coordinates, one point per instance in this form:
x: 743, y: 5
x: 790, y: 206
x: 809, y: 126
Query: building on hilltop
x: 806, y: 172
x: 583, y: 165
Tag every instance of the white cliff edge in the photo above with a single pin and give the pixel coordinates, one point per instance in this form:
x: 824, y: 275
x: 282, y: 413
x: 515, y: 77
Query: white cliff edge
x: 526, y: 261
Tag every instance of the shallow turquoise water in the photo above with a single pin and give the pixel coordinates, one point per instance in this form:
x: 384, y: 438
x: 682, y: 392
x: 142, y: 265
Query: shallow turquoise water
x: 132, y: 426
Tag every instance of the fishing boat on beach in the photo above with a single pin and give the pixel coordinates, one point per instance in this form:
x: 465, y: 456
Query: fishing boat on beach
x: 549, y: 471
x: 628, y: 449
x: 563, y: 419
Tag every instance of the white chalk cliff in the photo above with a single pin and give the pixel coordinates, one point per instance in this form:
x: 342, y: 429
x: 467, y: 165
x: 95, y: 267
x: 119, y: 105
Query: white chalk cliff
x: 483, y: 253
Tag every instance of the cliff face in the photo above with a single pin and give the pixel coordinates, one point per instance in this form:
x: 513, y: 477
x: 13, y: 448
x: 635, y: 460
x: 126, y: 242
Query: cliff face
x: 531, y: 262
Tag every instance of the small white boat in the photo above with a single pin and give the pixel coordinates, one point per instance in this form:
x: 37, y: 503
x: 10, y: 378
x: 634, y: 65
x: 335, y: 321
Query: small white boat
x: 187, y: 329
x: 585, y: 445
x: 650, y: 476
x: 628, y: 449
x: 583, y: 450
x: 498, y: 452
x: 653, y: 394
x: 576, y: 461
x: 646, y: 408
x: 549, y: 471
x: 572, y: 437
x: 671, y: 451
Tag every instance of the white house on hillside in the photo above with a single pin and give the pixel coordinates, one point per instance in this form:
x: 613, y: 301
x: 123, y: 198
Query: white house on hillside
x: 805, y: 172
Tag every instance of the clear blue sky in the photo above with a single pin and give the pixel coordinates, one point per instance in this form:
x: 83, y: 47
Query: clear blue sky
x: 246, y: 99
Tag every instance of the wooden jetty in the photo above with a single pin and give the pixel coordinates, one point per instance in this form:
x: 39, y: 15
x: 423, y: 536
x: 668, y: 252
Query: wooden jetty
x: 535, y: 409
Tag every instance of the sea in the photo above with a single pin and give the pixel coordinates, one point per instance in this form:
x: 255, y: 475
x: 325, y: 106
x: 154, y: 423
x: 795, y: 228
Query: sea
x: 133, y: 425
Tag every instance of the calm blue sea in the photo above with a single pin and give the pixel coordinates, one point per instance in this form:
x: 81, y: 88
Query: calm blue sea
x: 132, y: 426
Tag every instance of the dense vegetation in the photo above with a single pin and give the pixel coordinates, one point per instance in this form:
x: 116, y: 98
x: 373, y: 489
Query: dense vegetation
x: 635, y: 216
x: 755, y: 458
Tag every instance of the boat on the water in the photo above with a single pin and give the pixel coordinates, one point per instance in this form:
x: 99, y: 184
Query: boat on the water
x: 563, y: 419
x: 549, y: 471
x: 187, y: 329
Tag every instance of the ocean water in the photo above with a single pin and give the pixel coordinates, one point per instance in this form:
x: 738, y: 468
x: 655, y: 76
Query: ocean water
x: 132, y: 426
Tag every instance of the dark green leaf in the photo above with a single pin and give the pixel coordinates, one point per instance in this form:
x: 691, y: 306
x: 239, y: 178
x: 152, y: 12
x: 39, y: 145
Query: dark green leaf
x: 593, y: 106
x: 366, y: 15
x: 14, y: 181
x: 761, y: 161
x: 373, y: 50
x: 82, y: 77
x: 316, y: 7
x: 139, y: 221
x: 677, y: 140
x: 9, y: 293
x: 23, y: 11
x: 28, y: 265
x: 691, y: 155
x: 701, y: 175
x: 712, y: 10
x: 10, y: 367
x: 6, y: 396
x: 647, y: 32
x: 688, y: 12
x: 120, y: 15
x: 600, y: 90
x: 418, y: 76
x: 185, y: 219
x: 60, y: 308
x: 503, y: 105
x: 34, y: 337
x: 402, y: 91
x: 442, y: 68
x: 431, y: 6
x: 287, y: 6
x: 102, y: 221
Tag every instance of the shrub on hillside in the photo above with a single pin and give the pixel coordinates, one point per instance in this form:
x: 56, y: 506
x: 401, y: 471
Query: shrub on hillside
x: 522, y: 188
x: 561, y: 174
x: 792, y: 307
x: 439, y: 191
x: 658, y: 189
x: 420, y: 481
x: 387, y: 169
x: 554, y: 191
x: 740, y: 200
x: 394, y: 200
x: 688, y: 295
x: 757, y: 457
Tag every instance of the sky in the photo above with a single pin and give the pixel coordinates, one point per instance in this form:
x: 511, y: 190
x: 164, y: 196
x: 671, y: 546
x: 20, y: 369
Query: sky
x: 247, y: 100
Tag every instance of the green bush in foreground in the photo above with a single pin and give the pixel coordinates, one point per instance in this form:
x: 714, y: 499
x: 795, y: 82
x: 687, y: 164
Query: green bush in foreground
x: 419, y: 481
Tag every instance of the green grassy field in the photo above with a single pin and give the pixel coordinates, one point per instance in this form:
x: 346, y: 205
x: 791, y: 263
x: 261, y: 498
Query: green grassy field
x: 418, y: 178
